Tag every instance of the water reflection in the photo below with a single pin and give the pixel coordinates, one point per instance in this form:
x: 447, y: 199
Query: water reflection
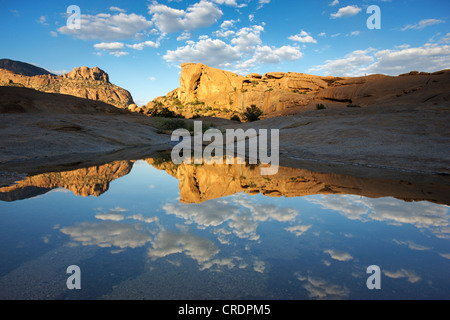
x: 221, y: 232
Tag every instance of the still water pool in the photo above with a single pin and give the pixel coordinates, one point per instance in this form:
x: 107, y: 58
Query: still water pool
x: 147, y: 230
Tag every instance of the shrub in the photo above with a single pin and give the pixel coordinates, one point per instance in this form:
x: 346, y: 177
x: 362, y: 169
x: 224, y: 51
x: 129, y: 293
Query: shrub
x: 171, y: 124
x: 235, y: 118
x: 320, y: 106
x: 253, y: 113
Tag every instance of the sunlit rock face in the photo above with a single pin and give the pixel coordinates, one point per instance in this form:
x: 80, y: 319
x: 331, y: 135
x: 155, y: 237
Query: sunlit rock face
x: 84, y: 82
x: 209, y: 91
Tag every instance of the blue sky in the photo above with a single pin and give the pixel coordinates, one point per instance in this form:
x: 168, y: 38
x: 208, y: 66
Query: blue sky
x: 141, y: 44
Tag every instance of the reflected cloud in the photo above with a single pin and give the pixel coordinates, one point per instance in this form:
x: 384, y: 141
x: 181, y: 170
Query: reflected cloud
x: 108, y: 234
x: 403, y: 273
x: 167, y: 243
x: 412, y: 245
x: 298, y: 230
x: 339, y: 255
x: 321, y: 289
x: 423, y: 215
x: 235, y: 215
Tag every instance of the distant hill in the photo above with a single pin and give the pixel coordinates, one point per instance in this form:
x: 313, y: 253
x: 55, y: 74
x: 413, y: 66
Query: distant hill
x: 83, y: 82
x: 23, y: 68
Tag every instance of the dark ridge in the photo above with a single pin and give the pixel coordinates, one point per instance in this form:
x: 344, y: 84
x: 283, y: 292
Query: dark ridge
x: 23, y: 68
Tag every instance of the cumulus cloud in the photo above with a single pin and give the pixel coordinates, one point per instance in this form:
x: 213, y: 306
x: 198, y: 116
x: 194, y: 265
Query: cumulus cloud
x: 303, y: 37
x: 347, y: 11
x: 170, y: 20
x: 247, y: 39
x: 215, y: 53
x: 107, y: 27
x: 429, y: 57
x: 140, y: 46
x: 114, y: 48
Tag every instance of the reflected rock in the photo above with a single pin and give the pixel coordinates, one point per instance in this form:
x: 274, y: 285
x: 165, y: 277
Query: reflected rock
x: 92, y: 181
x: 200, y: 183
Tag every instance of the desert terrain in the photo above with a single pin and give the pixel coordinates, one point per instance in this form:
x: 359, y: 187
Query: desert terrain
x: 376, y: 126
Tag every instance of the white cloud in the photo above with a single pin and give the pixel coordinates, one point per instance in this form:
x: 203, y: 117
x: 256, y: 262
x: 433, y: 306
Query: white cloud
x: 423, y: 24
x: 402, y: 59
x: 426, y: 58
x: 117, y: 9
x: 43, y: 20
x: 231, y: 3
x: 107, y: 27
x: 109, y: 46
x: 184, y: 36
x: 248, y: 38
x: 140, y: 46
x: 334, y: 3
x: 113, y: 48
x: 347, y: 66
x: 227, y: 24
x: 303, y: 37
x: 214, y: 53
x: 170, y: 20
x: 261, y: 3
x: 347, y: 11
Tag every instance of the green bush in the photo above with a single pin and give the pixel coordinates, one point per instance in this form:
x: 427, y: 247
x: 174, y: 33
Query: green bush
x: 235, y: 118
x: 253, y: 113
x: 320, y: 106
x: 171, y: 124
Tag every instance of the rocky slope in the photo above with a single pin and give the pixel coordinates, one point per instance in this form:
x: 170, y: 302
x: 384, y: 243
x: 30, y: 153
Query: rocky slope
x: 84, y: 82
x: 206, y: 91
x: 54, y: 129
x: 23, y: 68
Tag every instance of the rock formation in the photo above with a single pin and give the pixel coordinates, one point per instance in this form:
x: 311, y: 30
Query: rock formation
x: 84, y: 82
x: 206, y: 91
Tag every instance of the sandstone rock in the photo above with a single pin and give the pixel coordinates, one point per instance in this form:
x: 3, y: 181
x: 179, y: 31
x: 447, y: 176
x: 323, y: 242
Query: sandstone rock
x: 132, y: 107
x: 84, y: 82
x: 274, y: 75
